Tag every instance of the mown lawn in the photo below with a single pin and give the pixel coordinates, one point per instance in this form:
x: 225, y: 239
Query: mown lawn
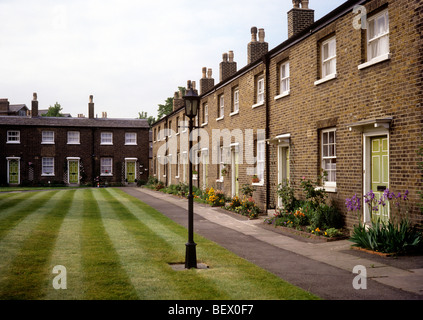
x: 114, y: 246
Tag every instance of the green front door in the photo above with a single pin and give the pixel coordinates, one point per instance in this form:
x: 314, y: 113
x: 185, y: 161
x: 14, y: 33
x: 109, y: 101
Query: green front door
x: 14, y: 171
x: 380, y: 173
x: 130, y: 171
x: 73, y: 171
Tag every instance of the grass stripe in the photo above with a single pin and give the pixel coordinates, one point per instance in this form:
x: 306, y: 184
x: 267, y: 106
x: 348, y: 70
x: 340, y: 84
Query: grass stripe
x: 28, y: 274
x: 15, y: 209
x: 67, y: 252
x: 104, y: 277
x: 235, y: 277
x: 157, y: 252
x: 10, y: 243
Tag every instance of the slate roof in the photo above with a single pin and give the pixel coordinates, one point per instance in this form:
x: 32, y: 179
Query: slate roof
x: 74, y: 122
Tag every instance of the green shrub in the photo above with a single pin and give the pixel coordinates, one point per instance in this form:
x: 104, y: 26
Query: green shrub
x: 387, y: 237
x: 286, y: 193
x: 326, y: 216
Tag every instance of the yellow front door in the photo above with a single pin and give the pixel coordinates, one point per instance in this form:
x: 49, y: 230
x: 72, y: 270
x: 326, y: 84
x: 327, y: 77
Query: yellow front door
x: 130, y: 171
x: 73, y: 171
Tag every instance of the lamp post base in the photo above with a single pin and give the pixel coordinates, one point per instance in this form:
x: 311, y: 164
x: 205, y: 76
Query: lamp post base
x: 190, y: 255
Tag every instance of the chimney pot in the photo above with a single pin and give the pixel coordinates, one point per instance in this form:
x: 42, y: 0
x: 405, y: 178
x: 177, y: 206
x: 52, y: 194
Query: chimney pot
x: 34, y: 96
x: 261, y: 35
x: 209, y: 73
x: 231, y: 56
x: 253, y: 34
x: 204, y: 72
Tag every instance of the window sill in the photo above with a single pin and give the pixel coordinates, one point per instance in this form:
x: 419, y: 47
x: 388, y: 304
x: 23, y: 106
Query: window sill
x: 331, y: 189
x: 131, y: 144
x: 234, y: 113
x: 219, y: 180
x: 106, y: 175
x: 47, y: 175
x: 284, y: 94
x: 257, y: 105
x: 106, y: 144
x: 13, y: 142
x: 47, y: 142
x: 204, y: 124
x: 220, y: 118
x: 75, y: 143
x: 259, y: 184
x: 384, y: 57
x: 325, y: 79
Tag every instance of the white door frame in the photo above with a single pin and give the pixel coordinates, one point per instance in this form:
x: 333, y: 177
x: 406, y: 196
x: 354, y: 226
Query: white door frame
x: 73, y: 159
x: 234, y: 177
x: 367, y: 160
x: 19, y: 168
x: 135, y: 166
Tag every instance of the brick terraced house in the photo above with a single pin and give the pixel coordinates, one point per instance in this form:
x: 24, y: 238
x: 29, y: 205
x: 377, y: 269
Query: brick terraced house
x: 341, y: 95
x: 73, y: 151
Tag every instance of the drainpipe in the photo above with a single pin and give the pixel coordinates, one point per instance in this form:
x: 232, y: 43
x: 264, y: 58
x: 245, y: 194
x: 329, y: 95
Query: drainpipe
x: 266, y: 61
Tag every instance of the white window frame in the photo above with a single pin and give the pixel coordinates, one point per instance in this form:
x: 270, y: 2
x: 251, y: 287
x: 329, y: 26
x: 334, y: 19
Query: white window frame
x: 285, y: 80
x: 329, y: 185
x: 130, y: 138
x: 13, y: 137
x: 329, y: 60
x: 106, y: 138
x: 76, y: 139
x: 377, y: 37
x: 221, y: 109
x: 260, y: 92
x: 106, y: 169
x: 178, y: 161
x: 261, y: 154
x: 205, y: 115
x: 221, y: 163
x: 47, y: 163
x: 236, y: 102
x: 47, y: 137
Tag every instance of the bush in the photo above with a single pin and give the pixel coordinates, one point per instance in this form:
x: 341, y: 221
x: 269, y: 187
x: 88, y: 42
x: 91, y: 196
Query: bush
x: 286, y: 193
x: 216, y: 198
x: 325, y: 217
x: 388, y: 237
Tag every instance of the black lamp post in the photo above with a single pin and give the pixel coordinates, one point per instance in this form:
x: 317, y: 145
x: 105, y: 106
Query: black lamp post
x: 192, y: 102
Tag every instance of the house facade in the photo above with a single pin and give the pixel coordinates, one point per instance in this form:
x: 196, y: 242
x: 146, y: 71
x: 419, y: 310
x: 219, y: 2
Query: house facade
x: 342, y: 95
x: 73, y: 151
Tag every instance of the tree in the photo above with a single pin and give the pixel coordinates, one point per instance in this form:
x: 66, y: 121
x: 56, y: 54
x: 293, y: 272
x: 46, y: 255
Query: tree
x: 144, y: 115
x: 54, y: 111
x: 167, y: 108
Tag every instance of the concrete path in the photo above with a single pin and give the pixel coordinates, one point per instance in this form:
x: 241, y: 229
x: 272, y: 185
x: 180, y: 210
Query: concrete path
x: 323, y: 268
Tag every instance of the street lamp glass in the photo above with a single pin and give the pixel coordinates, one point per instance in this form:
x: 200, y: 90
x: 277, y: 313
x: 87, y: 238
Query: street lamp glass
x: 191, y: 103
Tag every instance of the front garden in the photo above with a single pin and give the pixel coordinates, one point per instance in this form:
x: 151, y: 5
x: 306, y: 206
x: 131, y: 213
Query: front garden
x: 311, y: 216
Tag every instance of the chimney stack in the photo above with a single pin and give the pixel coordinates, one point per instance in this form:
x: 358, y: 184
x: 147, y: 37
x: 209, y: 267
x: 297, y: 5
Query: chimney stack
x: 228, y: 66
x: 34, y: 106
x: 91, y: 108
x: 257, y: 49
x: 206, y: 82
x: 178, y: 100
x: 299, y: 18
x: 4, y: 106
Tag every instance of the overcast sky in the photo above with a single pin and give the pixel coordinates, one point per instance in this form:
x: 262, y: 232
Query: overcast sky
x: 130, y: 55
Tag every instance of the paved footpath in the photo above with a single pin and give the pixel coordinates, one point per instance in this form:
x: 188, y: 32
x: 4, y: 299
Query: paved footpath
x: 323, y: 268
